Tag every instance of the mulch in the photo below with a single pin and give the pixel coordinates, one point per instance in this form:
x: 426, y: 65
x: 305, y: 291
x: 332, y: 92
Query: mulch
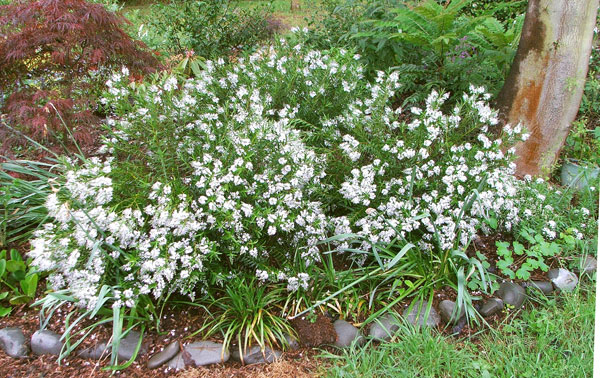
x: 177, y: 324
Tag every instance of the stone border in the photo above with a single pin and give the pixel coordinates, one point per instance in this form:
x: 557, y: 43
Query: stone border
x: 179, y: 356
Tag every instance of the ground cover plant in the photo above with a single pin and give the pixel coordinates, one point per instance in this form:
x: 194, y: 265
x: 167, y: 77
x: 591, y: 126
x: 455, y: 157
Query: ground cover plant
x: 295, y: 178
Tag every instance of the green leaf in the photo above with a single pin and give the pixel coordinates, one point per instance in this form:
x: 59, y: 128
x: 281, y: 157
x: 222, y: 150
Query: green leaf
x: 527, y: 236
x: 2, y: 267
x: 400, y: 254
x: 29, y: 285
x: 5, y: 311
x: 195, y: 66
x: 19, y: 299
x: 523, y: 272
x: 503, y: 265
x: 492, y: 222
x: 503, y: 249
x: 17, y: 276
x: 3, y: 295
x: 519, y: 248
x: 15, y: 255
x: 13, y: 266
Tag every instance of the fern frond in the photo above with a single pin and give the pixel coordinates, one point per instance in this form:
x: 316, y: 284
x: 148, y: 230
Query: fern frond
x: 457, y: 5
x: 412, y: 22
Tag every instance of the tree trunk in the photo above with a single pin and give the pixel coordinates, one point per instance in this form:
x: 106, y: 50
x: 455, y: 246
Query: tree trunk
x: 546, y: 80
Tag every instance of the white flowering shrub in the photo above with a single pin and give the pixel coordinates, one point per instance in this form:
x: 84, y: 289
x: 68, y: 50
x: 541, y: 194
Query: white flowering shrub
x: 205, y: 178
x: 432, y: 180
x: 244, y: 170
x: 551, y: 211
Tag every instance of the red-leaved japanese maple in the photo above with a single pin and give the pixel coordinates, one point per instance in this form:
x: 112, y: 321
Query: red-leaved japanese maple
x: 54, y: 57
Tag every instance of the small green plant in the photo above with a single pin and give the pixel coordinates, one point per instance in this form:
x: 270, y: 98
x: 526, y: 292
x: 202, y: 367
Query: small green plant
x: 520, y: 261
x: 16, y: 275
x: 583, y: 143
x: 477, y: 283
x: 24, y: 187
x: 247, y: 313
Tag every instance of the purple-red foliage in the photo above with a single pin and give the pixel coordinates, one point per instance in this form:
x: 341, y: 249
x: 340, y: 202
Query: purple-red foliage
x: 59, y: 43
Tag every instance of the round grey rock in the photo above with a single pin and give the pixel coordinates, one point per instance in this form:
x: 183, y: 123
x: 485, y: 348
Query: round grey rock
x: 254, y: 355
x: 96, y: 352
x: 46, y: 342
x: 12, y: 342
x: 347, y: 334
x: 292, y: 342
x: 543, y: 286
x: 587, y: 264
x: 177, y: 362
x: 447, y: 308
x: 563, y: 279
x: 384, y: 328
x: 164, y: 355
x: 128, y: 345
x: 199, y: 354
x: 491, y: 306
x: 512, y: 294
x: 417, y: 315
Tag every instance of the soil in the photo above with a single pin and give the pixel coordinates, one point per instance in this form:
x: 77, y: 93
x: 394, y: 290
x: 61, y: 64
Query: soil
x: 313, y: 332
x: 178, y: 323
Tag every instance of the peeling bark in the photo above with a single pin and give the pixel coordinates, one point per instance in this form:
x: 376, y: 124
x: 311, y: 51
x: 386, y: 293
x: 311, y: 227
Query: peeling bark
x: 546, y: 80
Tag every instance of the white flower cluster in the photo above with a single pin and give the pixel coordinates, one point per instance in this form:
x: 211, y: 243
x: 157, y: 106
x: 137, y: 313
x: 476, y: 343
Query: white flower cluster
x: 427, y: 179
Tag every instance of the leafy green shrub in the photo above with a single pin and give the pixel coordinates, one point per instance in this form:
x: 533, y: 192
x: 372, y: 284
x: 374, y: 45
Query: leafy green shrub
x: 432, y: 45
x: 504, y: 10
x: 18, y: 277
x: 336, y: 21
x: 211, y: 28
x: 437, y: 47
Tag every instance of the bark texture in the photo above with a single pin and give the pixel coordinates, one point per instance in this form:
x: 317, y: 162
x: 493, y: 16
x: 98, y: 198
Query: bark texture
x: 546, y: 80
